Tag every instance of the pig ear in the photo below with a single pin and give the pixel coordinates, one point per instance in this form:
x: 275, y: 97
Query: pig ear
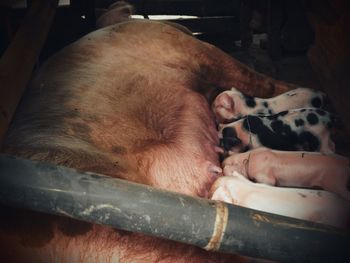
x: 235, y: 141
x: 224, y: 107
x: 229, y: 142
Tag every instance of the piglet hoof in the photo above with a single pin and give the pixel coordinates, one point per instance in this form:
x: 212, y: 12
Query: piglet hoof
x: 233, y: 189
x: 221, y: 194
x: 223, y: 107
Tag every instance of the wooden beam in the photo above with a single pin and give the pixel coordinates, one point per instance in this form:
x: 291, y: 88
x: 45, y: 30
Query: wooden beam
x: 16, y: 64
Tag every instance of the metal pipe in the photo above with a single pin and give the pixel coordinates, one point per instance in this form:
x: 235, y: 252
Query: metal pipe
x: 211, y: 225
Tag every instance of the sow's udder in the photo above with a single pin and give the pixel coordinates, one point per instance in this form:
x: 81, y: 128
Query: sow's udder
x: 188, y: 162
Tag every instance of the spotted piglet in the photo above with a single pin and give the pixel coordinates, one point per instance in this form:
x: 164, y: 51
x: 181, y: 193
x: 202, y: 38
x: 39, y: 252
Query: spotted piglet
x: 293, y: 130
x: 232, y: 105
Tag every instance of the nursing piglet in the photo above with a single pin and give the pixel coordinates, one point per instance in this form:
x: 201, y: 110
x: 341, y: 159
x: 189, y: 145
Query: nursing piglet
x: 300, y: 129
x: 232, y: 104
x: 293, y: 169
x: 313, y: 205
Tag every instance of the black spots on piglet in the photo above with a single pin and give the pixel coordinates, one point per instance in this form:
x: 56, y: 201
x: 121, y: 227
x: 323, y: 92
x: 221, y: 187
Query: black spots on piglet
x: 272, y: 117
x: 316, y: 102
x: 282, y: 138
x: 309, y: 142
x: 266, y: 105
x: 299, y: 122
x: 277, y: 126
x: 253, y: 124
x: 281, y: 128
x: 276, y: 134
x: 312, y: 118
x: 250, y: 101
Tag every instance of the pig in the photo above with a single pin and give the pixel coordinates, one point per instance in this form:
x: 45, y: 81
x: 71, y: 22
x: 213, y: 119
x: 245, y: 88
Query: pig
x: 293, y: 169
x: 312, y: 205
x: 232, y: 105
x: 130, y: 101
x: 298, y: 129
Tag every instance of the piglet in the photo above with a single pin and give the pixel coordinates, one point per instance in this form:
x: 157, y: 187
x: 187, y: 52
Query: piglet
x: 232, y: 104
x: 313, y: 205
x: 293, y: 169
x: 293, y: 130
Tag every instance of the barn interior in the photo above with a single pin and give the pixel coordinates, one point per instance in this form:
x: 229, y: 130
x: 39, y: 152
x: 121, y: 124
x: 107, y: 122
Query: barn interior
x: 305, y: 42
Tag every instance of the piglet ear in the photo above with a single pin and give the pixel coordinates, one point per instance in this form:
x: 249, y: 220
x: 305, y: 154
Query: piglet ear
x: 229, y: 142
x: 223, y: 107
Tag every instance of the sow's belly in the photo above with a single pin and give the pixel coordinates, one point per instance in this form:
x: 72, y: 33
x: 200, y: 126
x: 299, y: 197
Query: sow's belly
x: 127, y: 101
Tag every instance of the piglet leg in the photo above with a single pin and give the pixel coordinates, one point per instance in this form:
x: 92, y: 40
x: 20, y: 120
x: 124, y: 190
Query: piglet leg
x: 296, y: 169
x: 313, y: 205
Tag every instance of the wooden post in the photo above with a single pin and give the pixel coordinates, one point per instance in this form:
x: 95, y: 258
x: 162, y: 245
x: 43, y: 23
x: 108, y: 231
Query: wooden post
x: 17, y: 63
